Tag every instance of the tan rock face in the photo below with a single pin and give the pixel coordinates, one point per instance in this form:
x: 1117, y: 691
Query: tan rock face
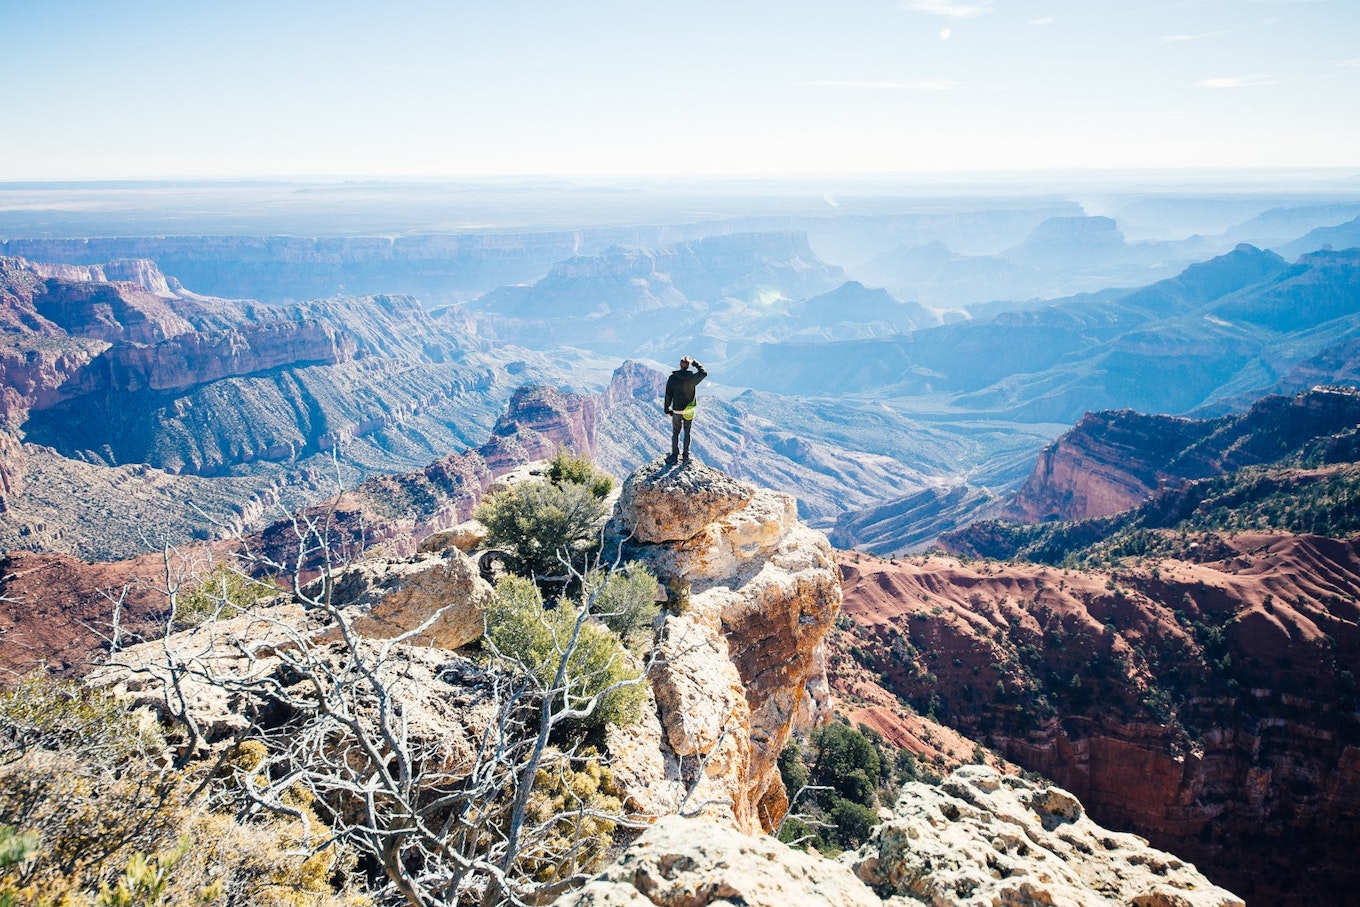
x: 668, y: 503
x: 742, y: 660
x: 689, y: 863
x: 979, y: 839
x: 392, y: 597
x: 983, y: 838
x: 465, y: 537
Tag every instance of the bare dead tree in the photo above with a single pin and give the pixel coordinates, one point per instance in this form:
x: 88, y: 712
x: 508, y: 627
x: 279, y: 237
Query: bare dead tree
x: 335, y: 722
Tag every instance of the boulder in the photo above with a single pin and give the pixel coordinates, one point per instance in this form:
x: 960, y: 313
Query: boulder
x: 983, y: 838
x: 466, y: 537
x: 689, y: 863
x: 387, y: 598
x: 666, y: 502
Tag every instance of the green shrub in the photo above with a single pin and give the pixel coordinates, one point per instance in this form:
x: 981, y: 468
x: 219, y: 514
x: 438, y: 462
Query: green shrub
x: 858, y: 770
x: 566, y: 467
x: 853, y: 823
x: 626, y: 603
x: 218, y: 595
x: 543, y: 525
x: 522, y: 629
x: 848, y: 761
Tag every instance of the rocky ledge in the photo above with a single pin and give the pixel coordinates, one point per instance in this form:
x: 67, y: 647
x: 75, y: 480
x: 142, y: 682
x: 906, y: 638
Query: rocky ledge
x: 979, y: 838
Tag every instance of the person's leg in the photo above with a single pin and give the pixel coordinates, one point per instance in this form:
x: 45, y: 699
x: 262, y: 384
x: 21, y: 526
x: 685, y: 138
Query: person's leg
x: 689, y: 427
x: 676, y: 421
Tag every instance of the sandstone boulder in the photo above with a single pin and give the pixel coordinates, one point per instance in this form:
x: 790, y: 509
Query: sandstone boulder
x: 983, y: 838
x: 690, y: 863
x: 390, y: 597
x: 667, y: 502
x: 466, y: 537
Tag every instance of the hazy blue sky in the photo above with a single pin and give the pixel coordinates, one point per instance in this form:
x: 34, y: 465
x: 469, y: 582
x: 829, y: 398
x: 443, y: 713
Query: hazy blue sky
x: 144, y: 88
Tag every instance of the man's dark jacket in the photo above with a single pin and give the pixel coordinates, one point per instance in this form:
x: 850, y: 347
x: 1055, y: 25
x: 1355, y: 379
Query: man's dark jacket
x: 680, y: 387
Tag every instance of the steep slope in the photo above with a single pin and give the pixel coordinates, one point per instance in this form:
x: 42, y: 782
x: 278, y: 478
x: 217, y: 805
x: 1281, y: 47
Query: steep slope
x: 1113, y: 461
x: 913, y: 521
x: 1206, y: 704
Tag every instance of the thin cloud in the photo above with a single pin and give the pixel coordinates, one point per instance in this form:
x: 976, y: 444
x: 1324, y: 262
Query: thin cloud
x: 1043, y: 20
x: 884, y: 85
x: 953, y: 8
x: 1353, y: 63
x: 1238, y: 81
x: 1211, y: 34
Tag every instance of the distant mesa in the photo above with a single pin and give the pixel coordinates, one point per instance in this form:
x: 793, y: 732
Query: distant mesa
x: 1062, y: 240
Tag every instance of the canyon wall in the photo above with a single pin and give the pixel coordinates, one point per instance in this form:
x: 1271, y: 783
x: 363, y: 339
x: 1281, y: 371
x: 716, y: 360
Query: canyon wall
x: 1207, y: 704
x: 1115, y: 460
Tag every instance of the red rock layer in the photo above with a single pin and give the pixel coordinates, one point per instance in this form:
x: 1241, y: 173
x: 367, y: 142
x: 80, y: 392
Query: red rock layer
x: 1210, y: 707
x: 1113, y: 461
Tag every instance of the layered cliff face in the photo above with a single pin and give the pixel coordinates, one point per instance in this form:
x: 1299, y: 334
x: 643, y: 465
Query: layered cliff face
x: 136, y: 370
x: 1109, y: 462
x: 753, y: 593
x: 1112, y: 461
x: 1205, y: 702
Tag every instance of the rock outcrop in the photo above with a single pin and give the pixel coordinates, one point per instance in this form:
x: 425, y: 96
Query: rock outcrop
x: 446, y: 704
x: 983, y: 838
x: 141, y: 271
x: 193, y: 359
x: 391, y: 598
x: 979, y: 839
x: 753, y: 593
x: 694, y: 863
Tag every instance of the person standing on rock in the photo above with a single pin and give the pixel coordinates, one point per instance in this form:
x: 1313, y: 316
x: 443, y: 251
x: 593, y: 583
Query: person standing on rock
x: 680, y: 402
